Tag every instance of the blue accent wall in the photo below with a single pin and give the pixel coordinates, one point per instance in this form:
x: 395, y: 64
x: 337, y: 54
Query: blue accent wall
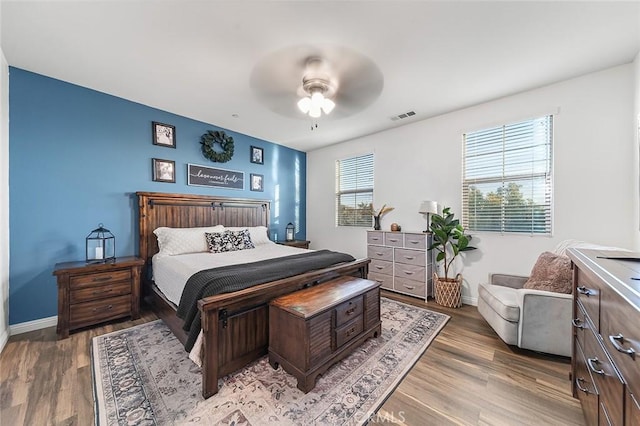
x: 76, y: 159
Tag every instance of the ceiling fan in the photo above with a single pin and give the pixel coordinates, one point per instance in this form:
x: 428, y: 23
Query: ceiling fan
x: 307, y: 81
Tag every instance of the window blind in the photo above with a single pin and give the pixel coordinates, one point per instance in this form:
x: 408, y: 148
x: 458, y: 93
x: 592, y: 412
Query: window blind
x: 507, y: 178
x: 354, y: 191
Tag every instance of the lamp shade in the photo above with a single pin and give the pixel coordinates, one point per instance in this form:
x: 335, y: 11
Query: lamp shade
x: 428, y: 207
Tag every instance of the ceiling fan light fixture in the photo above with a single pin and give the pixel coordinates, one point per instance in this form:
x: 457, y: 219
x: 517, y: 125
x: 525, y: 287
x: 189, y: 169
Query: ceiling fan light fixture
x: 315, y: 103
x: 328, y: 105
x: 304, y: 104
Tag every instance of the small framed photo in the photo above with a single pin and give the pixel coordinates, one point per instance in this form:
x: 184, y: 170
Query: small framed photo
x: 257, y: 155
x: 164, y: 134
x: 257, y: 182
x: 164, y: 170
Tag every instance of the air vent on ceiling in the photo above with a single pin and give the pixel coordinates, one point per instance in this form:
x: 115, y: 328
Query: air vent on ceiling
x: 401, y: 116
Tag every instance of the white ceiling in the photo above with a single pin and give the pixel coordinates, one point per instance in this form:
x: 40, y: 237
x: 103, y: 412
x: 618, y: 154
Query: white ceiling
x: 195, y: 58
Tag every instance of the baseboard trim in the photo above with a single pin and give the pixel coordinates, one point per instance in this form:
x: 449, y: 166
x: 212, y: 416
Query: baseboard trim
x: 25, y: 327
x: 470, y: 300
x: 4, y: 337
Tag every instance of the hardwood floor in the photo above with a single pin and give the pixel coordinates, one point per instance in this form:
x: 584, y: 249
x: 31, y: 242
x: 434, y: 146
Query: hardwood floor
x: 468, y: 376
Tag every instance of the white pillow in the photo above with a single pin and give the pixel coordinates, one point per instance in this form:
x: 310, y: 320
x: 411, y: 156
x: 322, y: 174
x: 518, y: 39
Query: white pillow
x: 258, y: 234
x: 172, y: 241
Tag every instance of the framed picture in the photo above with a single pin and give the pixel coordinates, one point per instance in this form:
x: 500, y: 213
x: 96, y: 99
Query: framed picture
x: 164, y: 134
x: 257, y: 182
x: 198, y: 175
x: 257, y: 155
x: 164, y: 170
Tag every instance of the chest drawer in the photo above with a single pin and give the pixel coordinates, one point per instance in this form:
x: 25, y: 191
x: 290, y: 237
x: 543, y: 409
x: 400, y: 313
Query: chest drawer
x: 411, y: 287
x: 410, y: 257
x: 99, y: 292
x: 96, y: 311
x: 348, y: 331
x: 348, y: 310
x: 385, y: 281
x: 384, y: 267
x: 375, y: 237
x: 588, y: 293
x: 393, y: 239
x: 411, y: 272
x: 587, y: 392
x: 378, y: 252
x: 415, y: 241
x: 80, y: 281
x: 619, y: 330
x: 581, y: 325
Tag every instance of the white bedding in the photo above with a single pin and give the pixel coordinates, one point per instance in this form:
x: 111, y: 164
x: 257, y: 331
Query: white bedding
x: 171, y: 273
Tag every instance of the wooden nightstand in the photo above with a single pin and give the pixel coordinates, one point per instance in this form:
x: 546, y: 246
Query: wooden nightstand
x: 91, y: 293
x: 296, y: 243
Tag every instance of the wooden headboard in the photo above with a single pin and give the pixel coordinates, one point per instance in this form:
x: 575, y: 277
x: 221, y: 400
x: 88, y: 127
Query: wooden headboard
x: 189, y: 211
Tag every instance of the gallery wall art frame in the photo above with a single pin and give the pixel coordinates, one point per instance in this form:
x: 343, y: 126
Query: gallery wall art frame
x: 257, y: 155
x: 163, y: 170
x: 257, y: 182
x: 198, y: 175
x: 163, y: 134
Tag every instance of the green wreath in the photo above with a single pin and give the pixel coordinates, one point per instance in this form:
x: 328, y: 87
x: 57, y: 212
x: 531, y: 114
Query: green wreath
x: 210, y: 139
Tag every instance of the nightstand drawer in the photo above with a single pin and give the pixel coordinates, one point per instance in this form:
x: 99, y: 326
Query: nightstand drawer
x: 79, y: 281
x: 84, y: 314
x: 99, y: 292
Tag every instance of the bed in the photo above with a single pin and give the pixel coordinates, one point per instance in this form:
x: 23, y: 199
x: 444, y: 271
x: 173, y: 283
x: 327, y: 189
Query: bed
x: 234, y: 325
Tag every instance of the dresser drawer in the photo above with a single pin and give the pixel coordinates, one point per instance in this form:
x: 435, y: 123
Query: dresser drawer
x: 393, y: 239
x: 410, y: 257
x: 348, y: 331
x: 411, y: 287
x: 378, y: 252
x: 381, y: 267
x: 632, y: 411
x: 385, y: 281
x: 411, y: 272
x: 416, y: 241
x: 621, y: 336
x: 589, y: 295
x: 586, y: 389
x: 581, y: 326
x: 79, y: 281
x: 99, y: 292
x: 608, y: 383
x: 375, y: 237
x: 88, y: 313
x: 347, y: 311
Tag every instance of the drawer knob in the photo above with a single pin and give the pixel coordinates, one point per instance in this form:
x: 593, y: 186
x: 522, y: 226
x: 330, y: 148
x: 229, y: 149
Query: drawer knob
x: 97, y: 292
x: 408, y: 272
x: 350, y: 311
x: 393, y: 240
x: 379, y: 267
x: 409, y: 287
x: 409, y: 257
x: 351, y: 331
x: 577, y: 323
x: 583, y: 290
x: 104, y: 308
x: 592, y: 362
x: 380, y: 254
x: 414, y: 242
x: 617, y: 341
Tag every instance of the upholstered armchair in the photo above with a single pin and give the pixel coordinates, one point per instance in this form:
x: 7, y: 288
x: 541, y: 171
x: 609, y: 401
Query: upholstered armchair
x: 538, y: 320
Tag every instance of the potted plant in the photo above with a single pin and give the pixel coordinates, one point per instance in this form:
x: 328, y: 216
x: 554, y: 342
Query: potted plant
x: 449, y: 240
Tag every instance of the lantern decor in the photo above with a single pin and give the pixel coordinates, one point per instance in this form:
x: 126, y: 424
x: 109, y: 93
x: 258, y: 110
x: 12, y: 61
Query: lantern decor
x: 289, y: 236
x: 101, y: 245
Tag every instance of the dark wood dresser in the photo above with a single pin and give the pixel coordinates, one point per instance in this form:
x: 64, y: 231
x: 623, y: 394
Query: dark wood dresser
x: 606, y: 336
x: 91, y: 293
x: 311, y: 329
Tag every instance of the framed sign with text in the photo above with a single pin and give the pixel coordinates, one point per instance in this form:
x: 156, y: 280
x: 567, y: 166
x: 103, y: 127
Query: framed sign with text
x: 220, y: 178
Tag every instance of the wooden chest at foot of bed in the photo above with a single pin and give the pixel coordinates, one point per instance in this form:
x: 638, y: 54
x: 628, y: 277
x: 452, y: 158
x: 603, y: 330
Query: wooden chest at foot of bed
x: 312, y: 329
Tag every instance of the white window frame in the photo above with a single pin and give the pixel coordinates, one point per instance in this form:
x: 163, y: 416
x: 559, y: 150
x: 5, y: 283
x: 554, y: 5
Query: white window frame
x: 360, y: 186
x: 501, y: 148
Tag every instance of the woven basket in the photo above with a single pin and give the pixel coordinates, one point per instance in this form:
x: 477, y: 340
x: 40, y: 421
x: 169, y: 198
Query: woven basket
x: 448, y: 292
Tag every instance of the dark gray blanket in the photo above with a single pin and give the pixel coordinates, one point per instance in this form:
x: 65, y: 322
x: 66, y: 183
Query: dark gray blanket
x: 237, y: 277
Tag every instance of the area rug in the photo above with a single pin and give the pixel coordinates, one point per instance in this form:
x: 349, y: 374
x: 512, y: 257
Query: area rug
x: 142, y: 375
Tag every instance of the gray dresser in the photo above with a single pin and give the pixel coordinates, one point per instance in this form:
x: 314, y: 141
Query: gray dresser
x: 400, y: 262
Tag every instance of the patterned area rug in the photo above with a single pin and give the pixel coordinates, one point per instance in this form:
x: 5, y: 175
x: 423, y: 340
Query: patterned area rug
x: 142, y: 375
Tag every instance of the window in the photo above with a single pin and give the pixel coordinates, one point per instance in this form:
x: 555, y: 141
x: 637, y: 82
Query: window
x: 354, y: 191
x: 507, y: 183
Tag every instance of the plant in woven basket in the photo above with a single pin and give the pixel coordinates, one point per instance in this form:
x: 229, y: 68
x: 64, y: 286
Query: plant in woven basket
x: 449, y: 239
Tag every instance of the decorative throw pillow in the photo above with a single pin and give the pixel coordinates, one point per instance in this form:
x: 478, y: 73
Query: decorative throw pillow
x: 220, y: 242
x: 173, y: 241
x: 552, y: 272
x: 259, y: 234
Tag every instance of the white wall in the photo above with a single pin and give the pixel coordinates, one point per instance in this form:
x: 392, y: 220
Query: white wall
x: 4, y: 200
x: 594, y: 190
x: 636, y: 154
